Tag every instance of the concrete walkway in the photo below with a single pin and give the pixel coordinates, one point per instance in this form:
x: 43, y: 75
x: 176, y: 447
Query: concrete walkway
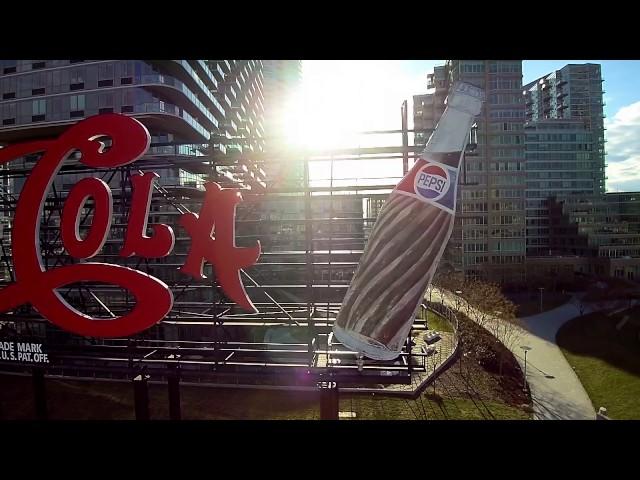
x: 556, y: 391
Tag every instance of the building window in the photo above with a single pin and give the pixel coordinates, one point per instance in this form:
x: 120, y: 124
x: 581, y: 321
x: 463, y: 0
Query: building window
x: 37, y: 65
x: 76, y: 108
x: 104, y: 110
x: 77, y: 102
x: 39, y: 110
x: 37, y: 91
x: 8, y: 95
x: 105, y: 100
x: 126, y: 81
x: 76, y: 80
x: 9, y: 121
x: 105, y: 75
x: 127, y: 109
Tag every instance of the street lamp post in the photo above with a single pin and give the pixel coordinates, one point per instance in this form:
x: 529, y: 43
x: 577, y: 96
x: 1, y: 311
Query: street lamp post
x: 458, y: 299
x: 541, y: 289
x: 525, y: 348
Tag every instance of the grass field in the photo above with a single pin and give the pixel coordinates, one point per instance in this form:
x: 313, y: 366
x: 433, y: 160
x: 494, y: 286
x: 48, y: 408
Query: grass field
x: 68, y: 400
x: 606, y: 360
x: 437, y: 322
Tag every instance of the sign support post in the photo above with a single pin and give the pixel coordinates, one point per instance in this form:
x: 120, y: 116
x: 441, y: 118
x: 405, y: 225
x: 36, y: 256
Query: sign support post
x: 39, y: 394
x: 174, y: 389
x: 141, y: 396
x: 329, y: 400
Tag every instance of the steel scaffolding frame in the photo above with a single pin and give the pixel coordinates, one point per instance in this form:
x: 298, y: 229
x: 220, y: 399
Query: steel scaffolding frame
x: 205, y: 337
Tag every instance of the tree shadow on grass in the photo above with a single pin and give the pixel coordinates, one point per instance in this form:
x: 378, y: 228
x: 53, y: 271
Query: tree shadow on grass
x: 595, y: 335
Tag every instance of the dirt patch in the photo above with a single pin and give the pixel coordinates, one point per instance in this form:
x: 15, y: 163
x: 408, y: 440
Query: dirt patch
x: 478, y: 370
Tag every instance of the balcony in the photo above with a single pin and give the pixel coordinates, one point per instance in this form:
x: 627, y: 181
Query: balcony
x: 196, y: 83
x: 230, y: 90
x: 182, y: 119
x: 234, y: 115
x: 204, y: 69
x: 431, y: 81
x: 231, y: 127
x: 217, y: 71
x: 225, y: 66
x: 177, y: 86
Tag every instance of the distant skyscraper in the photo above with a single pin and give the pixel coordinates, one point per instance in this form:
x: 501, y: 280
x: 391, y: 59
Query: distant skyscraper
x: 427, y: 109
x: 489, y: 237
x: 564, y: 141
x: 281, y: 79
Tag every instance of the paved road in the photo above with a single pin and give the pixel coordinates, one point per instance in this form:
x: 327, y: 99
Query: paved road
x: 556, y: 391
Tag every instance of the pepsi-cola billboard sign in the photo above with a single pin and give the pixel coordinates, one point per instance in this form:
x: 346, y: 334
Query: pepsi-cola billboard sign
x: 211, y: 230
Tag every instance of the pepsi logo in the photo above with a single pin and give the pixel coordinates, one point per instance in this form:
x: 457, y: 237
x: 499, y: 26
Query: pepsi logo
x: 432, y: 182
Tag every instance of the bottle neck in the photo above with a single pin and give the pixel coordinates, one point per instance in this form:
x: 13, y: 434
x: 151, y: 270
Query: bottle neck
x: 450, y: 136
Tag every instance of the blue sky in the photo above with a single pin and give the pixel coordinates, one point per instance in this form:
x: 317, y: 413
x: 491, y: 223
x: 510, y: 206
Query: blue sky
x: 339, y: 96
x: 621, y: 77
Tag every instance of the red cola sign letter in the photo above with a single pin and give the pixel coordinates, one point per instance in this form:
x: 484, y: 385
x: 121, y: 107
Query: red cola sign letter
x: 154, y: 300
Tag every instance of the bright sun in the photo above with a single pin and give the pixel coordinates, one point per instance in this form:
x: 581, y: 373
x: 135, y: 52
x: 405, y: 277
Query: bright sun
x: 337, y: 99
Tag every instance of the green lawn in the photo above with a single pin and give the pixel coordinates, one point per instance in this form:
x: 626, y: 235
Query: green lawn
x: 606, y: 360
x: 437, y: 322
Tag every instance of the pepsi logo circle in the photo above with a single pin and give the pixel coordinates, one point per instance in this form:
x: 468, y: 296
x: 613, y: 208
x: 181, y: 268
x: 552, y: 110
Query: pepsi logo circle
x: 432, y: 182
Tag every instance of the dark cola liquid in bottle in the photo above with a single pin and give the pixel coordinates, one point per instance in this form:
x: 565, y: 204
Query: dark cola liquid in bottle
x: 408, y: 238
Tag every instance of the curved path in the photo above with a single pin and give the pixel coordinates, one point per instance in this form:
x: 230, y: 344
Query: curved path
x: 556, y: 391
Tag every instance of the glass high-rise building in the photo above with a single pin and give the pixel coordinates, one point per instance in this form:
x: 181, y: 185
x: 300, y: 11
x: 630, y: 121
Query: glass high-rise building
x: 488, y: 239
x: 281, y: 80
x: 560, y: 163
x: 564, y: 139
x: 490, y: 220
x: 207, y: 105
x: 428, y: 108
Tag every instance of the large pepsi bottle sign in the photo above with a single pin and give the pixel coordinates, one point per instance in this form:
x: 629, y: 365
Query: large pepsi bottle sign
x: 130, y: 140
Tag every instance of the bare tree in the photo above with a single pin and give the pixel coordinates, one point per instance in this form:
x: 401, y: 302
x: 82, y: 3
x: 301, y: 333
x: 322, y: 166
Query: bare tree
x: 505, y: 326
x: 484, y: 298
x: 489, y: 308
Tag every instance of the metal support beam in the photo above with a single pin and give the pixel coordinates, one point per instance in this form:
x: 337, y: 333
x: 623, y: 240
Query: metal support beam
x: 329, y: 400
x: 405, y: 140
x: 175, y: 411
x: 141, y: 396
x: 39, y: 394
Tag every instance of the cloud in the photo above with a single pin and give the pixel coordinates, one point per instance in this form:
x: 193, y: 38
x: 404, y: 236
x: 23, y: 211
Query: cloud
x: 623, y: 149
